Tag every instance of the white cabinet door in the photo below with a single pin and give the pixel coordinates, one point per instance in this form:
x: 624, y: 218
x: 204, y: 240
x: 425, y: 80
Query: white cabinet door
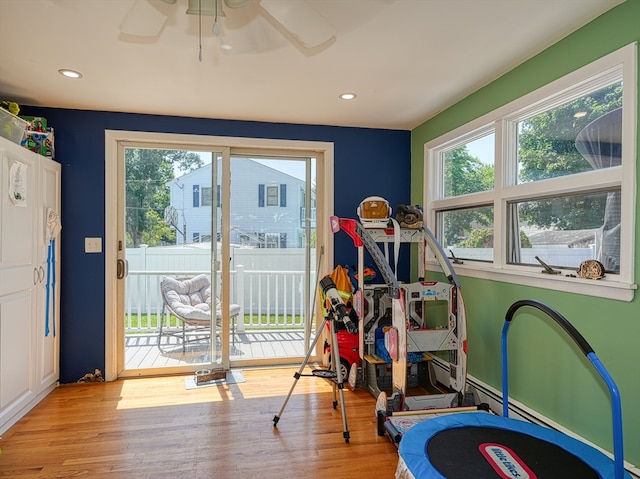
x: 18, y: 277
x: 16, y: 353
x: 47, y: 315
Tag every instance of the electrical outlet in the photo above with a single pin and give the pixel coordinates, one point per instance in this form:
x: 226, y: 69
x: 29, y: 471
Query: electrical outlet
x: 93, y: 245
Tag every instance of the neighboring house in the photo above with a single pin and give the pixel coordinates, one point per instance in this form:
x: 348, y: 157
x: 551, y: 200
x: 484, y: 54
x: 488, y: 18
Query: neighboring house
x: 267, y: 206
x: 565, y: 239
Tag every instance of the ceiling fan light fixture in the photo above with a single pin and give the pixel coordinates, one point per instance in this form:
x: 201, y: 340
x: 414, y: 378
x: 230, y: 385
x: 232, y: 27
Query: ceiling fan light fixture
x: 209, y: 7
x: 238, y: 3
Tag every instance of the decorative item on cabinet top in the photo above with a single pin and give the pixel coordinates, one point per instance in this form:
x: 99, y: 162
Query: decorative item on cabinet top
x: 31, y: 132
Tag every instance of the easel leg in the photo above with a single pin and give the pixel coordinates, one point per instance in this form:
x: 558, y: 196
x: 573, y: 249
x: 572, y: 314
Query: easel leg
x: 339, y: 380
x: 339, y: 384
x: 297, y: 375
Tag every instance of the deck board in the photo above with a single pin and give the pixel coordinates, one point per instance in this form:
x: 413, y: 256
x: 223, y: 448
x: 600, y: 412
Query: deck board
x: 142, y: 350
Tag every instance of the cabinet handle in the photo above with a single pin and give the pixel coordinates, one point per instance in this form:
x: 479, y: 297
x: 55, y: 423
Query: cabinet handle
x: 36, y: 276
x: 42, y: 274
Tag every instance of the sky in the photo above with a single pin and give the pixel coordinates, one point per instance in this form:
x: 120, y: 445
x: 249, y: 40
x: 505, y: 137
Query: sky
x: 291, y: 167
x: 483, y: 149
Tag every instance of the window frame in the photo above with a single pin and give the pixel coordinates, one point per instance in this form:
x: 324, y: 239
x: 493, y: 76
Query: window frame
x: 503, y: 122
x: 272, y: 195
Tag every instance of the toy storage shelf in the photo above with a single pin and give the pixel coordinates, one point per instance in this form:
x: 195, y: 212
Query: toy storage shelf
x: 410, y: 313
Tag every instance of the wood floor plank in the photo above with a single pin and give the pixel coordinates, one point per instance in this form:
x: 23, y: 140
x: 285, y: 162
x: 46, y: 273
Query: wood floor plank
x: 156, y: 428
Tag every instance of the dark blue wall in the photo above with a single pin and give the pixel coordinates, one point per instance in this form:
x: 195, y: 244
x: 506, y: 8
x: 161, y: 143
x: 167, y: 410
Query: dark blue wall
x: 367, y: 162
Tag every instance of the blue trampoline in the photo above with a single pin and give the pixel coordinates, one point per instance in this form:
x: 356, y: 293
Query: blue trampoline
x: 480, y: 445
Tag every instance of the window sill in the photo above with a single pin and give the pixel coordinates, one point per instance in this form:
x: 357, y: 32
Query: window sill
x: 601, y: 288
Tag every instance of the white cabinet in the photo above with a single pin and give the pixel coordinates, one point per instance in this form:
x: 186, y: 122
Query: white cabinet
x: 29, y: 359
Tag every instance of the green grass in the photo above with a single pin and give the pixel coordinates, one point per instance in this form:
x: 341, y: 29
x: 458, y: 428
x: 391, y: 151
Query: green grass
x: 150, y: 322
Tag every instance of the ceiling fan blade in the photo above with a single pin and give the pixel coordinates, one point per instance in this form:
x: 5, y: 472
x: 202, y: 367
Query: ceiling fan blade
x: 143, y: 20
x: 299, y: 19
x: 247, y: 30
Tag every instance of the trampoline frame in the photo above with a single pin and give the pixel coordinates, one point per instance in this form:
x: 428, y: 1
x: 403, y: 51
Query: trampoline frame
x: 618, y: 450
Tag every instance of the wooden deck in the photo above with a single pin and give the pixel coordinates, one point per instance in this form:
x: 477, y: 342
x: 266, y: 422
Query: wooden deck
x: 142, y: 350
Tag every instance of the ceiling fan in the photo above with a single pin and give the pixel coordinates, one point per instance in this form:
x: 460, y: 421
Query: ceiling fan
x: 296, y: 21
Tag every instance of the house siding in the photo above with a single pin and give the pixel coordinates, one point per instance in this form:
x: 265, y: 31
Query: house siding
x: 250, y: 216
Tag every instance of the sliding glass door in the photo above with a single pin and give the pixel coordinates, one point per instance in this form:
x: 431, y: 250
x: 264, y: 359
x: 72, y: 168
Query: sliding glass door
x: 216, y: 257
x: 272, y: 248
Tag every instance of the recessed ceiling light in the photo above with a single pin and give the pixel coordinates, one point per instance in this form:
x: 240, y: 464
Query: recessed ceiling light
x: 70, y: 73
x: 347, y: 96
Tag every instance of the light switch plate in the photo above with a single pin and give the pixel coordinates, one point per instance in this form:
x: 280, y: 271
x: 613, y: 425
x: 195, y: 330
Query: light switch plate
x: 93, y: 245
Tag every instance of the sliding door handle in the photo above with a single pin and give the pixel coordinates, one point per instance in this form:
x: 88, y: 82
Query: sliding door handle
x: 121, y: 269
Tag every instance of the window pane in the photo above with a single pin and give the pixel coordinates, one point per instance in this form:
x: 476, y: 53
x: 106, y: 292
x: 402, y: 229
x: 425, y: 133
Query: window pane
x: 572, y: 138
x: 468, y: 232
x: 206, y: 196
x: 565, y: 231
x: 469, y: 168
x: 272, y: 196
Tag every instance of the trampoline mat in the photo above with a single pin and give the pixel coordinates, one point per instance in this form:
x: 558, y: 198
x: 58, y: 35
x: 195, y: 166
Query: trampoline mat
x: 490, y: 452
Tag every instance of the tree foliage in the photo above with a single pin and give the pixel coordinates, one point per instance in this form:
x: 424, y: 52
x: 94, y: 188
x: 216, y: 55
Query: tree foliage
x: 465, y: 174
x: 546, y: 149
x: 483, y: 238
x: 147, y: 194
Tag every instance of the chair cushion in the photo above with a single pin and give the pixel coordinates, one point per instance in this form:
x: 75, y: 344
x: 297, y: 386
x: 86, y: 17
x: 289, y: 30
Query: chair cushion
x: 189, y: 298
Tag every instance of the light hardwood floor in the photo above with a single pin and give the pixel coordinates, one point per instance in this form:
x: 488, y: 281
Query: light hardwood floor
x: 156, y: 428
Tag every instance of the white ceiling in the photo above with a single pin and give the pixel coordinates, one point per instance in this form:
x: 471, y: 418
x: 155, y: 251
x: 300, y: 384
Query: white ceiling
x: 405, y: 59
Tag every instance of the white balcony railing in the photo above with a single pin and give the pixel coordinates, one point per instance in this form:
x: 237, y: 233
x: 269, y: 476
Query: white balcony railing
x: 268, y: 299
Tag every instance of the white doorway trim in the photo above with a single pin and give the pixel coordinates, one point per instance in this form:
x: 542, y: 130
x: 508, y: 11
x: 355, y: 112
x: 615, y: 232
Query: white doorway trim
x: 115, y: 138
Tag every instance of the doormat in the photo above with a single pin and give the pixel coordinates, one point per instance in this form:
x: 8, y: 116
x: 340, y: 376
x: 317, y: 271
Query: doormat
x: 232, y: 377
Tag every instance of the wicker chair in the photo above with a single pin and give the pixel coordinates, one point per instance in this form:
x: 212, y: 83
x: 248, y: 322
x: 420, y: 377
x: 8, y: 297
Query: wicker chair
x: 189, y: 300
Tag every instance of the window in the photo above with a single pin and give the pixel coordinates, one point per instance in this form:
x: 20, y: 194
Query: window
x: 205, y: 196
x: 273, y: 199
x: 272, y: 195
x: 544, y: 182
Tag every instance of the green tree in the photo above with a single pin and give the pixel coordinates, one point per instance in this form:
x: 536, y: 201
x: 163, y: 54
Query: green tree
x: 147, y: 194
x: 483, y: 238
x: 546, y: 149
x: 465, y: 174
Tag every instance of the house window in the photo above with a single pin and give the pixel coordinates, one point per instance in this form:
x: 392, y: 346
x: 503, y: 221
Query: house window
x: 273, y: 198
x: 195, y: 237
x: 205, y: 196
x: 272, y: 195
x: 544, y: 179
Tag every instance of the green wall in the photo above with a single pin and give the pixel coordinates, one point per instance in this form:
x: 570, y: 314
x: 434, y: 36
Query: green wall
x: 547, y: 371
